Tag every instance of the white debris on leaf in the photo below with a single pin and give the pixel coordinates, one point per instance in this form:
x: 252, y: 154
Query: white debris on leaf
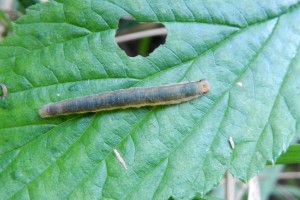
x: 240, y: 84
x: 120, y: 159
x: 231, y: 142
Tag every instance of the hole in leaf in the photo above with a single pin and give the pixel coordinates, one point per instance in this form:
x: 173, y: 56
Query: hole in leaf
x: 136, y: 38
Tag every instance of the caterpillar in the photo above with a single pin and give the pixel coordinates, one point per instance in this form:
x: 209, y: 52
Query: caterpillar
x: 127, y: 98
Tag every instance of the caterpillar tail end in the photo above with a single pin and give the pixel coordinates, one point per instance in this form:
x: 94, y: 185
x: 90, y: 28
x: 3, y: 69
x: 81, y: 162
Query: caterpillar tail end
x: 204, y: 86
x: 43, y: 112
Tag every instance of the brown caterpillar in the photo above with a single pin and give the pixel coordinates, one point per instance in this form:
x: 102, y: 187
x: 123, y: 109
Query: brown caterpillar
x: 127, y: 98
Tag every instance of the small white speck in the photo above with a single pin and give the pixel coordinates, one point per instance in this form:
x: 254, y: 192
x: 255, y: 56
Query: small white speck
x: 240, y: 84
x: 58, y: 95
x: 231, y: 142
x: 120, y: 159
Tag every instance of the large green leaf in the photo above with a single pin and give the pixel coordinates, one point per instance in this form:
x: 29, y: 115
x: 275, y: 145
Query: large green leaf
x: 247, y: 50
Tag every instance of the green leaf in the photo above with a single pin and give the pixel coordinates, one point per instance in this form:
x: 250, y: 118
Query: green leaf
x: 291, y: 156
x: 247, y: 50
